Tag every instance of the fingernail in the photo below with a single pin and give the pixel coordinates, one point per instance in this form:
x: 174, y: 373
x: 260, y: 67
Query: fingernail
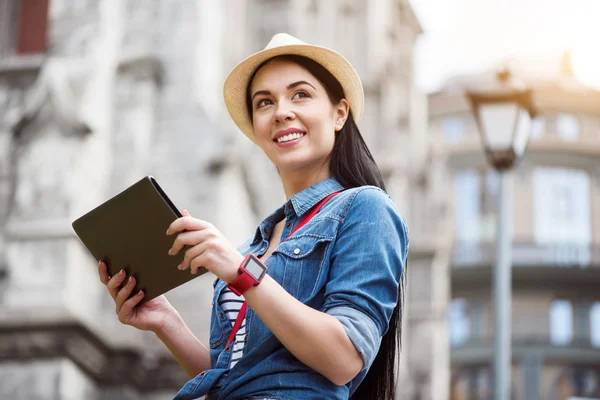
x: 121, y: 272
x: 168, y: 232
x: 179, y: 267
x: 169, y: 252
x: 140, y: 293
x: 100, y: 263
x: 130, y: 280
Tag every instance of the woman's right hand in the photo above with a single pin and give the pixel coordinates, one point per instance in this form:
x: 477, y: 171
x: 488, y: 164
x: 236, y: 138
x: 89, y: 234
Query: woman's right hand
x: 150, y: 316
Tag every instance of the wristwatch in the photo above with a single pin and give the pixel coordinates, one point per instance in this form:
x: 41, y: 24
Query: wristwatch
x: 252, y: 271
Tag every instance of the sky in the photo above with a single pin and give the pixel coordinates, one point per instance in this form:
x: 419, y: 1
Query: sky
x: 467, y: 36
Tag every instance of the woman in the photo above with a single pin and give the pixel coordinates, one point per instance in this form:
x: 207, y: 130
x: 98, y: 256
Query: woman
x: 310, y: 306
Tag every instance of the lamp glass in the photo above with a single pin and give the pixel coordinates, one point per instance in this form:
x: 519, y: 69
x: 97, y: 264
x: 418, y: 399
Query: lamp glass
x: 498, y: 123
x: 522, y: 132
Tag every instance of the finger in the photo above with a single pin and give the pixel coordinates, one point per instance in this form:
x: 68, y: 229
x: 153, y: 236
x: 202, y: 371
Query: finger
x: 187, y: 223
x: 197, y: 263
x: 192, y: 238
x: 115, y: 283
x: 103, y: 273
x: 185, y: 213
x: 191, y: 254
x: 128, y: 306
x: 124, y: 293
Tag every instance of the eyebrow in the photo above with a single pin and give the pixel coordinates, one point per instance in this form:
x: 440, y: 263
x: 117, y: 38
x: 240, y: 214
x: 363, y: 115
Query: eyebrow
x: 290, y: 86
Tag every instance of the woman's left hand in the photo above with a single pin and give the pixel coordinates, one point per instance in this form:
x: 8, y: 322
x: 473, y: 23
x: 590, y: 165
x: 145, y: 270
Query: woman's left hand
x: 209, y: 248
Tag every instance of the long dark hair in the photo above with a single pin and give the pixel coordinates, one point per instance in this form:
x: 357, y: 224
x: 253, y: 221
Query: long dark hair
x: 352, y: 164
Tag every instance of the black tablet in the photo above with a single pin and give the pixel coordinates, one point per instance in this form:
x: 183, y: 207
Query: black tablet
x: 128, y: 232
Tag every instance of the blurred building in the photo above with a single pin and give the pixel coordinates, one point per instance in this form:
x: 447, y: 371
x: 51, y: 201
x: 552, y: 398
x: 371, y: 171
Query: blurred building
x: 556, y: 247
x: 94, y: 95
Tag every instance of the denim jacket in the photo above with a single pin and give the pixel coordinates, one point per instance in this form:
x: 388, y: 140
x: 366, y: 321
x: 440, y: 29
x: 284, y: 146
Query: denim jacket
x: 347, y: 261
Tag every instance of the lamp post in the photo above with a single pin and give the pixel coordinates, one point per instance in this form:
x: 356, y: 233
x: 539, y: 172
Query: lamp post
x: 504, y: 120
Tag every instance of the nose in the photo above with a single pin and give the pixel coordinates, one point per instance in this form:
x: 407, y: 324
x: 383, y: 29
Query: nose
x: 282, y: 113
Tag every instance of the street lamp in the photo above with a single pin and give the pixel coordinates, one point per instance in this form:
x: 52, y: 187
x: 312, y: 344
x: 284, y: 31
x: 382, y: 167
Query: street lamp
x: 504, y: 120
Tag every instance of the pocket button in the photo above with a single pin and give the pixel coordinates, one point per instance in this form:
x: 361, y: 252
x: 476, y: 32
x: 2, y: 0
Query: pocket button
x: 297, y: 251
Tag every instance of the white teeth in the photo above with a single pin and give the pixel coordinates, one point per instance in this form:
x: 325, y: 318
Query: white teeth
x: 291, y: 136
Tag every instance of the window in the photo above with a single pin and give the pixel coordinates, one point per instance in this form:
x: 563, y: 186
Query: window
x: 562, y: 210
x: 458, y: 322
x: 467, y: 188
x: 595, y: 324
x: 561, y: 322
x: 538, y: 126
x: 453, y: 129
x: 585, y: 383
x: 23, y: 26
x: 576, y: 383
x: 475, y: 197
x: 567, y: 127
x: 471, y: 383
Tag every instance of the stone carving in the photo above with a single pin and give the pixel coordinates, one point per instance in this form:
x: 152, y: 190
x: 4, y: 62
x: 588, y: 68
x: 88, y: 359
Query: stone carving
x: 44, y: 122
x: 54, y: 86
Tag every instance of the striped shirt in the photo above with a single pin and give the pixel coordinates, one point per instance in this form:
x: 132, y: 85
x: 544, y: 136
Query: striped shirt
x: 231, y: 304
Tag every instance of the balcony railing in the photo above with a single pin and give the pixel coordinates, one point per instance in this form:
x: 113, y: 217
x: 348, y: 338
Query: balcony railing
x: 529, y: 338
x: 560, y: 255
x: 481, y: 349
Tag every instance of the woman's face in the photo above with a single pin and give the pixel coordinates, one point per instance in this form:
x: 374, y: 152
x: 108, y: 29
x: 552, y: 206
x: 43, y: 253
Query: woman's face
x: 294, y: 121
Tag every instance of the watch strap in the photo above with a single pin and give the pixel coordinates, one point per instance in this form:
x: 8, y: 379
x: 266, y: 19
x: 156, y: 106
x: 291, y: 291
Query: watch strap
x: 244, y: 281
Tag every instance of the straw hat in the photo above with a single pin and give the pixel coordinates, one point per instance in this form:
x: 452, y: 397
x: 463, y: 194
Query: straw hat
x: 236, y: 84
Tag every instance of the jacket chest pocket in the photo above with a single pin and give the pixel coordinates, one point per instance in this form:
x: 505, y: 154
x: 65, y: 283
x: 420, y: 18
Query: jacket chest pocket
x: 300, y: 264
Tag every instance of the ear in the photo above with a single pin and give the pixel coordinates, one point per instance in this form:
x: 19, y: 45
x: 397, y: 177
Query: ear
x: 341, y: 114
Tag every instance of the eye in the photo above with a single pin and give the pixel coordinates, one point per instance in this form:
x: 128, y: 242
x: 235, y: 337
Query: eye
x: 262, y: 103
x: 300, y: 94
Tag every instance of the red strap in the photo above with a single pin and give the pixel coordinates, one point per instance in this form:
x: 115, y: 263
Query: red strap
x: 238, y: 323
x: 242, y: 314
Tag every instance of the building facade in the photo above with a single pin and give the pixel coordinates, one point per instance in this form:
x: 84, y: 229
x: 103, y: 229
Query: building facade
x: 95, y: 95
x: 556, y: 243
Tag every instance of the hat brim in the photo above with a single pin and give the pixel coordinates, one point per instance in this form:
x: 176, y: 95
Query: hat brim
x: 236, y: 84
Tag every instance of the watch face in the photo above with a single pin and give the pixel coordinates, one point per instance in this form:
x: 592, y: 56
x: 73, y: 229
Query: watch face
x: 255, y: 269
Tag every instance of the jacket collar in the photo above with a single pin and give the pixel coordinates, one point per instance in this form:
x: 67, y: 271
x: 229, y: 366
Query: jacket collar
x: 309, y: 197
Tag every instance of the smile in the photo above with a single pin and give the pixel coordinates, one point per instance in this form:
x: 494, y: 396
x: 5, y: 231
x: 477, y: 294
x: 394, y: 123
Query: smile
x: 290, y: 137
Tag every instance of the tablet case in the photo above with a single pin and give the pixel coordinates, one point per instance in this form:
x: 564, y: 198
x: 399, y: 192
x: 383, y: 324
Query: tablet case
x: 128, y: 231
